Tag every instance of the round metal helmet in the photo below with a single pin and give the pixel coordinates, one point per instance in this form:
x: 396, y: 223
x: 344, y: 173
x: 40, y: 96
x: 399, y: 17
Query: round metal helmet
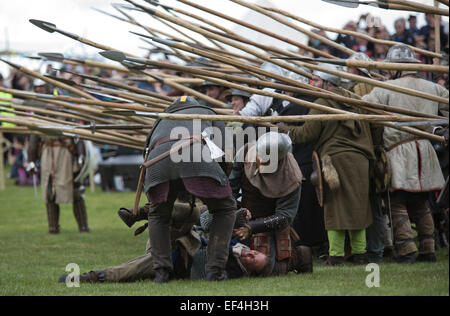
x: 298, y: 77
x: 39, y: 82
x: 241, y: 93
x: 275, y: 69
x: 209, y: 83
x: 363, y: 57
x: 336, y: 80
x: 185, y: 100
x: 273, y: 141
x: 401, y: 53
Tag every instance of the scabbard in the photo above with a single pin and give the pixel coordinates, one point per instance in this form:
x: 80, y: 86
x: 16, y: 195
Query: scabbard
x: 140, y: 184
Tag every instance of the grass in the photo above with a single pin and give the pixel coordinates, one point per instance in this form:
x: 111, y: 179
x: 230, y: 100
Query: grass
x: 31, y: 260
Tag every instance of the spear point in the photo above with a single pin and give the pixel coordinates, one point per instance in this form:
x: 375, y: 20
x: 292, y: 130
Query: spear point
x: 113, y: 55
x: 46, y: 26
x: 10, y: 63
x: 52, y: 56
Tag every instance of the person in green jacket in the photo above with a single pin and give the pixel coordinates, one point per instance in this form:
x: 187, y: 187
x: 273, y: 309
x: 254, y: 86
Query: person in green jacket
x: 345, y: 149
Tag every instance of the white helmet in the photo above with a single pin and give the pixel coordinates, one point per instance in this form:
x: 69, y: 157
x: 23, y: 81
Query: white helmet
x: 363, y: 57
x: 336, y: 80
x: 275, y: 69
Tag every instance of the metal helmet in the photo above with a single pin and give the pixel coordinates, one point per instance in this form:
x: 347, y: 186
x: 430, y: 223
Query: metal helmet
x: 363, y: 57
x: 336, y: 80
x: 298, y: 77
x: 273, y: 141
x: 401, y: 53
x: 241, y: 93
x: 275, y: 69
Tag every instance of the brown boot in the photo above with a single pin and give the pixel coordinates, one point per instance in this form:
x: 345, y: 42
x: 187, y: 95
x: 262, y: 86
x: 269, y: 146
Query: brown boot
x: 127, y: 216
x: 80, y: 213
x: 89, y: 277
x: 53, y: 218
x: 302, y: 261
x: 333, y: 261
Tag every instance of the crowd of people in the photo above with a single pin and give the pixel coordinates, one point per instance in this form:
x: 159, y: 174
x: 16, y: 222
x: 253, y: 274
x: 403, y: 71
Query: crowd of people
x: 342, y: 191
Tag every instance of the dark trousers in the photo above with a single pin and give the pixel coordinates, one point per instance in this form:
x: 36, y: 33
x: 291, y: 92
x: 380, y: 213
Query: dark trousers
x: 223, y: 211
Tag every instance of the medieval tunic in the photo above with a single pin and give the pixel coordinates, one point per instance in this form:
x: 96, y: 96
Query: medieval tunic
x: 414, y: 163
x: 349, y: 144
x: 56, y: 168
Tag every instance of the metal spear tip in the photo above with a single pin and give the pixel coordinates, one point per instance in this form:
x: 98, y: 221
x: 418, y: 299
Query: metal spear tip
x: 46, y: 26
x: 344, y: 3
x: 113, y: 55
x: 10, y: 63
x: 125, y: 6
x: 52, y: 56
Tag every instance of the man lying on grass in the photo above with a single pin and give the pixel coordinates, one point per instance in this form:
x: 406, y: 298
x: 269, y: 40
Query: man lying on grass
x: 189, y: 243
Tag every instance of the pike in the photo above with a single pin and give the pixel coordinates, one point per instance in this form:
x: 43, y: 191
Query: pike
x: 338, y: 116
x: 48, y: 80
x: 278, y: 119
x: 346, y: 75
x: 55, y: 100
x: 391, y: 5
x: 51, y: 28
x: 65, y: 125
x: 257, y: 29
x: 124, y: 86
x: 122, y: 58
x: 350, y: 33
x: 282, y: 87
x: 222, y: 39
x: 93, y: 127
x: 34, y: 124
x: 372, y: 64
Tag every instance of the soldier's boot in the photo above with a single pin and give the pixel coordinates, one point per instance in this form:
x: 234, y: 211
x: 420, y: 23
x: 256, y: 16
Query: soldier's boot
x: 89, y: 277
x: 127, y: 216
x: 79, y: 211
x: 219, y: 240
x: 333, y: 261
x: 302, y: 260
x: 425, y: 230
x: 53, y: 217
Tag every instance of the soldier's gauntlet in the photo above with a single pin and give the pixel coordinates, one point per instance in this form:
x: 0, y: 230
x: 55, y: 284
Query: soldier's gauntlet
x: 269, y: 224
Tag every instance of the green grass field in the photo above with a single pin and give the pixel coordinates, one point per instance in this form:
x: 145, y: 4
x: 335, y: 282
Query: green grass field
x: 31, y: 260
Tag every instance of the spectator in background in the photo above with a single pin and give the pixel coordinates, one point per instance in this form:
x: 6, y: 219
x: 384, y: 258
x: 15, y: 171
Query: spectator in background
x: 428, y: 33
x: 413, y: 29
x: 402, y: 35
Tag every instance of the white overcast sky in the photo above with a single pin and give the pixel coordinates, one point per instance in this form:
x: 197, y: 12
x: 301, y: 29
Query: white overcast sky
x: 77, y: 16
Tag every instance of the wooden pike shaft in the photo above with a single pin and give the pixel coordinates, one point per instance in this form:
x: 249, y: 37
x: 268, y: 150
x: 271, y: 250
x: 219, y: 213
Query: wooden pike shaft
x: 258, y: 29
x: 224, y: 40
x: 55, y: 83
x: 295, y: 27
x: 415, y: 7
x: 281, y: 87
x: 81, y: 132
x: 289, y: 119
x: 347, y: 32
x: 296, y: 83
x: 129, y: 138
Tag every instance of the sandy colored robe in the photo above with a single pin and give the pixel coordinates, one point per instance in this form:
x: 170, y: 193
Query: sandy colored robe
x: 414, y: 163
x: 350, y: 146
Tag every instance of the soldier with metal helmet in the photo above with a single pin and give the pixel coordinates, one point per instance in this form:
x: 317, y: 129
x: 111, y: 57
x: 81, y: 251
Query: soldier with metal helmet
x: 215, y: 91
x: 238, y: 99
x: 414, y: 165
x: 268, y: 179
x: 343, y: 150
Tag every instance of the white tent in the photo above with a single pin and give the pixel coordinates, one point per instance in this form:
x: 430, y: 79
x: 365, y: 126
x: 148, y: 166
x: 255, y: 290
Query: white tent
x: 269, y: 24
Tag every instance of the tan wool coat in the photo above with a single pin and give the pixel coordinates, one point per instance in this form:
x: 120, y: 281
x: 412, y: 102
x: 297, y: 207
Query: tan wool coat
x: 414, y: 163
